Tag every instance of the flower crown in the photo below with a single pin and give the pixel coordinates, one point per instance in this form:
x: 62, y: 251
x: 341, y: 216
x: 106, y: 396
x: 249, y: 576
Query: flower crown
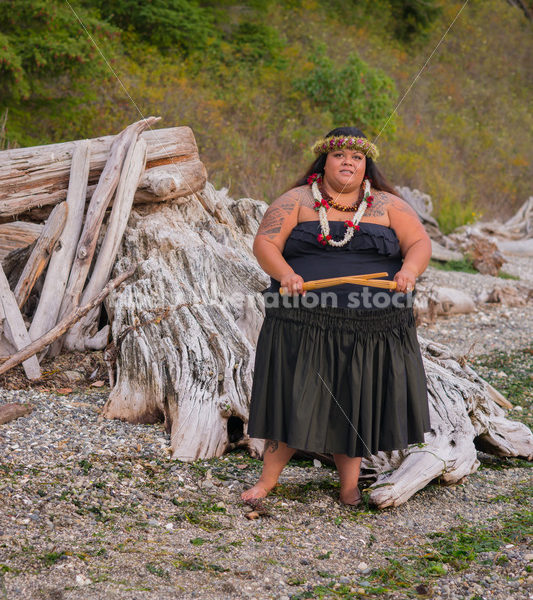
x: 330, y: 144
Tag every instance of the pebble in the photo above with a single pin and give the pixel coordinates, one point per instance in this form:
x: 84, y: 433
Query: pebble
x: 82, y: 580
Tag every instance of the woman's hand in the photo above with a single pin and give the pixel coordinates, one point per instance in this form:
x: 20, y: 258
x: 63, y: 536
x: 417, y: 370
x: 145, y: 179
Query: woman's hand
x: 293, y: 283
x: 405, y: 280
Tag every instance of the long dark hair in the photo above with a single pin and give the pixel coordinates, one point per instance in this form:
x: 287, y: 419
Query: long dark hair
x: 377, y: 179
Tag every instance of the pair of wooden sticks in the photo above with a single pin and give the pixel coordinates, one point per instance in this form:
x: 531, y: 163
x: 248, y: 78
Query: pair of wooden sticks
x: 367, y: 279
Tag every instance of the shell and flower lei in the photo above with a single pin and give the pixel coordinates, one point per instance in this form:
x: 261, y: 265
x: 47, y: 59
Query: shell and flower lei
x: 322, y: 205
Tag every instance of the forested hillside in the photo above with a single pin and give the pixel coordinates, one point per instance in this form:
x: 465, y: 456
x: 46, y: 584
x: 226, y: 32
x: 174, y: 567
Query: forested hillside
x: 259, y: 81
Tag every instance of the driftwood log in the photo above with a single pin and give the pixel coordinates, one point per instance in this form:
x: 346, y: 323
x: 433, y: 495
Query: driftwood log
x: 47, y: 312
x: 465, y: 417
x: 129, y: 179
x: 38, y: 176
x: 41, y: 253
x: 185, y: 332
x: 192, y: 317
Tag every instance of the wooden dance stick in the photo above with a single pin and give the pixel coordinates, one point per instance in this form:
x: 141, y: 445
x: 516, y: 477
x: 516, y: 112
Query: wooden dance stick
x: 368, y: 279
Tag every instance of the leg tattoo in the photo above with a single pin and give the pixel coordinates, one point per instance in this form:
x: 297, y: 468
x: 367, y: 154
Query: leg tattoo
x: 271, y: 445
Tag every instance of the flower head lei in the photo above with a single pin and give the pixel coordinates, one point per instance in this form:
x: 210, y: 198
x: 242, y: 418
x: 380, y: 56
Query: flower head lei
x: 350, y: 142
x: 322, y: 205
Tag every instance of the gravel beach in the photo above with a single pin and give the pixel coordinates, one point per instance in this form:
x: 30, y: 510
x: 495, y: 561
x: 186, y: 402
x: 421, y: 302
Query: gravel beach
x: 98, y: 510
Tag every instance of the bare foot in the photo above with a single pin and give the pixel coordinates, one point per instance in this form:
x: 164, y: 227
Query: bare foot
x: 352, y: 498
x: 259, y: 490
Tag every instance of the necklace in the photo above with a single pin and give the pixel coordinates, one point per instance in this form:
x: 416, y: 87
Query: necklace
x: 322, y: 205
x: 341, y: 207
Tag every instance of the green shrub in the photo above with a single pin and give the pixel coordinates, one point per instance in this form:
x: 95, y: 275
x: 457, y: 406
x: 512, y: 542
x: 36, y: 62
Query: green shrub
x: 41, y: 41
x: 354, y: 93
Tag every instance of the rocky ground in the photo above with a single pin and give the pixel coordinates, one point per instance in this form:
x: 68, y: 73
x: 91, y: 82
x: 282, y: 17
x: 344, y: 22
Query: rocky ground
x: 94, y: 510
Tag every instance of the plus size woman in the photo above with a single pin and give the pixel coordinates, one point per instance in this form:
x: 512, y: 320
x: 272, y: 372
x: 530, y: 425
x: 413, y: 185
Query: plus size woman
x: 338, y: 369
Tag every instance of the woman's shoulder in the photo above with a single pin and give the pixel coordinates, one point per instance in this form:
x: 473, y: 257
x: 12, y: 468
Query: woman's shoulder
x: 300, y: 191
x: 384, y: 202
x: 300, y: 195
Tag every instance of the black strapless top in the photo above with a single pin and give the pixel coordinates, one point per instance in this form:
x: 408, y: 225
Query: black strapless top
x: 374, y: 248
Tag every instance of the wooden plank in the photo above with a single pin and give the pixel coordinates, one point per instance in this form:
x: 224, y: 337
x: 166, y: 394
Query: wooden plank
x: 17, y: 328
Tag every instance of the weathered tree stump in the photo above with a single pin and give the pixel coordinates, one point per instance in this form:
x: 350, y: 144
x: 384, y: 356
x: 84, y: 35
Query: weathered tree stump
x: 188, y: 325
x: 185, y: 332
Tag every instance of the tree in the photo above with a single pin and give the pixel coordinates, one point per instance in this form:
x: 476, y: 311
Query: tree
x: 41, y: 40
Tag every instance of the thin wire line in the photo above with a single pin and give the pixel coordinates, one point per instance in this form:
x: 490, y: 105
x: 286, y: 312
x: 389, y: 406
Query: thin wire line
x: 423, y: 67
x: 409, y: 88
x: 165, y: 150
x: 347, y: 418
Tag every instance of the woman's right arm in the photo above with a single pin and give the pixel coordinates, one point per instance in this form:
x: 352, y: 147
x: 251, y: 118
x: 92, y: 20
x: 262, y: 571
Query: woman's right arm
x: 278, y: 221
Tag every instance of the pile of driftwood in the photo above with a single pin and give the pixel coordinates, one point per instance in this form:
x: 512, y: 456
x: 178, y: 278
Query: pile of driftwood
x: 73, y: 186
x: 184, y: 325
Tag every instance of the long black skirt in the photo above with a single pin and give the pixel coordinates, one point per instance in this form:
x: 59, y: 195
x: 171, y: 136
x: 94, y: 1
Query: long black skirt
x: 339, y: 380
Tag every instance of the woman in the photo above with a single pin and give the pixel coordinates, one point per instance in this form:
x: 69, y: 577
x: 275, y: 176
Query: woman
x: 347, y: 377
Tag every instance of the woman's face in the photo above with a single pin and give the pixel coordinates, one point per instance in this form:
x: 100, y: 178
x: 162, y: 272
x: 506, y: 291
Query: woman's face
x: 345, y: 170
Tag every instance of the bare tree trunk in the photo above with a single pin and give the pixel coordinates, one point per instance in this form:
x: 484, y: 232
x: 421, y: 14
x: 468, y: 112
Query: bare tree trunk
x: 39, y: 176
x: 188, y: 356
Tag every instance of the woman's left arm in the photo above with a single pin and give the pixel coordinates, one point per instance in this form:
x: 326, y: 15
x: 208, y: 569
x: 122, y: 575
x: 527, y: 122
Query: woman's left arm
x: 415, y: 244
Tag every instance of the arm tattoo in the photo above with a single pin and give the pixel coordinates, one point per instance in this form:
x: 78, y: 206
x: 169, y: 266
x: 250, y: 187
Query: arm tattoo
x: 305, y: 197
x: 404, y: 207
x: 276, y: 214
x: 271, y: 445
x: 378, y: 208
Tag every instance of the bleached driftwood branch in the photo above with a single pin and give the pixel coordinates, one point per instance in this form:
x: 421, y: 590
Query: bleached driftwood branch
x: 41, y: 253
x: 129, y: 178
x: 47, y: 312
x: 96, y: 211
x: 14, y: 327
